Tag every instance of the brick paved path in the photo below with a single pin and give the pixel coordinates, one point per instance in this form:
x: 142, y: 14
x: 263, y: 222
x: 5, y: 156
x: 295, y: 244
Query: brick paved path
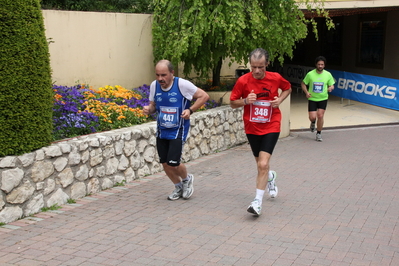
x: 338, y: 204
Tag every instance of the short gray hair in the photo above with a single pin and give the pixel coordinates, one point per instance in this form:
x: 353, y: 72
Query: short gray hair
x: 258, y: 53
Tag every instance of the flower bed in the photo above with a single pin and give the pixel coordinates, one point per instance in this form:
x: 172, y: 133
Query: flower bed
x: 81, y: 110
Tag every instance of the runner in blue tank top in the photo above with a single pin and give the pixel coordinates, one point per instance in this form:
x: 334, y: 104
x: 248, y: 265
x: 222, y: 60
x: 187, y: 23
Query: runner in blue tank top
x: 169, y: 106
x: 170, y: 97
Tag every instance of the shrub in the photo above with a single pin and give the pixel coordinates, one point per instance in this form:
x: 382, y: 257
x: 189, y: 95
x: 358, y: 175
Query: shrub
x: 25, y: 95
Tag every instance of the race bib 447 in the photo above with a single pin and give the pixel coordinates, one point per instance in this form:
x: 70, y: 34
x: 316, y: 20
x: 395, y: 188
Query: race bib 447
x: 168, y: 117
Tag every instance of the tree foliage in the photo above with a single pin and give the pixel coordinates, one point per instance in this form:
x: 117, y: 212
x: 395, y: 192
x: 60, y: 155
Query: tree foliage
x: 202, y: 33
x: 125, y: 6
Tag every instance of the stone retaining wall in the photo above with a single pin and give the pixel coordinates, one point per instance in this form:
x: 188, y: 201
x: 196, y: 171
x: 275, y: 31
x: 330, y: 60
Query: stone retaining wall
x: 77, y: 167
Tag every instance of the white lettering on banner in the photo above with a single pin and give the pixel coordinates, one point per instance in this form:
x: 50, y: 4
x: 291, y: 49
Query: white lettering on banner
x: 387, y: 92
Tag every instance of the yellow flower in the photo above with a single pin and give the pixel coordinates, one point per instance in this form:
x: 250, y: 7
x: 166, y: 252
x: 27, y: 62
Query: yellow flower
x: 57, y: 97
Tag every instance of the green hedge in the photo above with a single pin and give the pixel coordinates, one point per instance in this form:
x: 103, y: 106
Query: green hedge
x: 26, y: 97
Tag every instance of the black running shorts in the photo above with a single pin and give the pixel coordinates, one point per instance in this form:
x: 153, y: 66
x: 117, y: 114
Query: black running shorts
x: 170, y: 151
x: 264, y: 143
x: 313, y: 106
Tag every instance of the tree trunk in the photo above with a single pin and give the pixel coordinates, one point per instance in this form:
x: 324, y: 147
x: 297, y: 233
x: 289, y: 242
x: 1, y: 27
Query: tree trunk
x: 216, y: 73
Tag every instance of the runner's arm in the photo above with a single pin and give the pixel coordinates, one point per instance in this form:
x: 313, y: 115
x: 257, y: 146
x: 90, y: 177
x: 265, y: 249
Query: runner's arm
x: 305, y: 90
x: 201, y: 97
x: 149, y: 109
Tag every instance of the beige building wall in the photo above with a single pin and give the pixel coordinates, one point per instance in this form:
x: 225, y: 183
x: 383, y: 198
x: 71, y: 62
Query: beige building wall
x: 100, y: 48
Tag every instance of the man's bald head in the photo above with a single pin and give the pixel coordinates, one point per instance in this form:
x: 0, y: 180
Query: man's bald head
x: 166, y: 63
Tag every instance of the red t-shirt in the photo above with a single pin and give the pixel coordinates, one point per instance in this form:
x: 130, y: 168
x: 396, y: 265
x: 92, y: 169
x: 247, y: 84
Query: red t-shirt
x: 265, y: 89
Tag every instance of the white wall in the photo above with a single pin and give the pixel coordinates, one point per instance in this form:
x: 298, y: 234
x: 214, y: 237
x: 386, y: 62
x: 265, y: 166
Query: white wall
x: 100, y: 48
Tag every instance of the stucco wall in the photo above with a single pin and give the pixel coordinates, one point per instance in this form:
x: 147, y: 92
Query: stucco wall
x: 101, y: 49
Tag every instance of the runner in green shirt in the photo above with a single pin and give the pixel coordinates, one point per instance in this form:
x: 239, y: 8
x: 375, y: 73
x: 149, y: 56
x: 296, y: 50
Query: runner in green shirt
x: 316, y: 85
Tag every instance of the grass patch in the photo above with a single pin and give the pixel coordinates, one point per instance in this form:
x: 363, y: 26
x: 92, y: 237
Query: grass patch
x: 120, y: 184
x: 71, y: 201
x: 51, y: 208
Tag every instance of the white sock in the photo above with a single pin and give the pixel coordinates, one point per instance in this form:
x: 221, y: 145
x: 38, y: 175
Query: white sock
x: 259, y: 195
x: 179, y: 185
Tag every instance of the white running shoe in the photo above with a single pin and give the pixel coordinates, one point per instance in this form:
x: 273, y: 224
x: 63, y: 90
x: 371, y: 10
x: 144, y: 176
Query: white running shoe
x: 176, y: 194
x: 271, y: 185
x: 188, y: 187
x: 318, y: 137
x: 255, y: 207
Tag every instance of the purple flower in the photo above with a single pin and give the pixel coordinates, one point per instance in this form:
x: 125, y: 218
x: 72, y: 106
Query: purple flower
x: 69, y: 117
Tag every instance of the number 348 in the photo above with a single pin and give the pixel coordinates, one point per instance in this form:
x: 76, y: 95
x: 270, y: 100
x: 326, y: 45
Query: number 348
x: 261, y: 111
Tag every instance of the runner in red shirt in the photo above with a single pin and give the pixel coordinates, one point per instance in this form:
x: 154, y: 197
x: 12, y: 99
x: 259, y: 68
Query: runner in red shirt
x: 258, y: 92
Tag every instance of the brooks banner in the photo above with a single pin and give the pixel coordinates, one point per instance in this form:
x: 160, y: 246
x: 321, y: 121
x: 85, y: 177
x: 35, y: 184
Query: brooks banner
x: 366, y: 89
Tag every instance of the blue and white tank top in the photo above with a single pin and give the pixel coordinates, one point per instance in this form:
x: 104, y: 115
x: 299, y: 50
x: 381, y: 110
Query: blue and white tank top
x: 170, y: 105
